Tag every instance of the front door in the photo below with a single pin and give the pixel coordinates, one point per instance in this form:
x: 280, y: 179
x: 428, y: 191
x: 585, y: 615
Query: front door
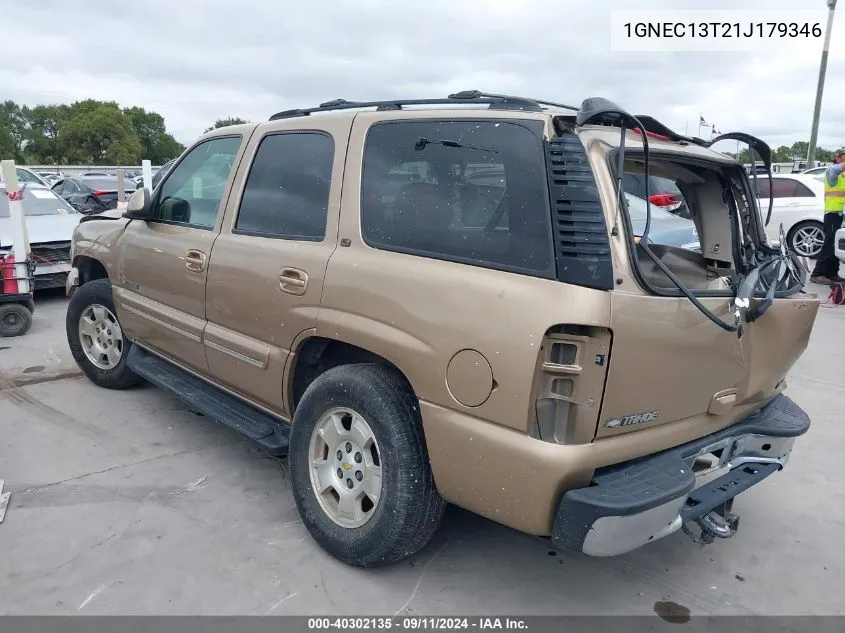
x: 265, y: 277
x: 164, y: 261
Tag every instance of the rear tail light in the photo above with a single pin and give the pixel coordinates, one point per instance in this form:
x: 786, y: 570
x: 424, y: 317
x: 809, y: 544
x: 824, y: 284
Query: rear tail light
x: 666, y: 201
x: 569, y: 384
x: 100, y: 193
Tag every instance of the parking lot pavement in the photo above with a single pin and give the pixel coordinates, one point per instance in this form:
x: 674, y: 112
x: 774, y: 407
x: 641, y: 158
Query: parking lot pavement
x: 43, y: 353
x: 127, y: 503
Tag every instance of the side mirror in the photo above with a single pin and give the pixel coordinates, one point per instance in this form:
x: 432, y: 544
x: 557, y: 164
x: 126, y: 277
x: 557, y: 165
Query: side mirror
x: 139, y: 206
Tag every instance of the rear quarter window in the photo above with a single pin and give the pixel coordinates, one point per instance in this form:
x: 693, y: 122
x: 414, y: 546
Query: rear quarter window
x: 287, y: 190
x: 468, y: 191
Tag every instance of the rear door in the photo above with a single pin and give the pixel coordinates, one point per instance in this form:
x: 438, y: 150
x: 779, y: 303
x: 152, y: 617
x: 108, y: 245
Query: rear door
x: 793, y: 201
x: 163, y: 262
x: 266, y: 271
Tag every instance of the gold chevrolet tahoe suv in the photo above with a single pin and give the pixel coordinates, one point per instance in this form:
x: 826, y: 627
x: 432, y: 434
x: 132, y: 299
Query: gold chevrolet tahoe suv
x: 457, y: 300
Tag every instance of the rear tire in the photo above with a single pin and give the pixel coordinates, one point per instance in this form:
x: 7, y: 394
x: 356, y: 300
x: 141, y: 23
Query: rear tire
x: 15, y: 320
x: 102, y: 352
x: 805, y: 239
x: 368, y: 410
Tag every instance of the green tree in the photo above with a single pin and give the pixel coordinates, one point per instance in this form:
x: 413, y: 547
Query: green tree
x: 824, y: 155
x: 166, y: 148
x: 782, y: 154
x: 158, y: 146
x: 799, y: 150
x: 97, y: 132
x: 7, y: 143
x: 44, y: 123
x: 225, y: 122
x: 14, y: 122
x: 148, y: 126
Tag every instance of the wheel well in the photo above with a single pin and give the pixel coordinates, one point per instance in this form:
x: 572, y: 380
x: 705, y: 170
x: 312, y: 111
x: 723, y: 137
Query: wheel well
x: 792, y: 228
x: 318, y: 354
x: 90, y: 269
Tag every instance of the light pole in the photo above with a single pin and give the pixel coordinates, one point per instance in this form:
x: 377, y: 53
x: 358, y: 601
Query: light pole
x: 814, y: 134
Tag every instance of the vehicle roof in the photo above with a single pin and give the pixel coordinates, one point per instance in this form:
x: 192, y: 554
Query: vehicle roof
x: 474, y: 104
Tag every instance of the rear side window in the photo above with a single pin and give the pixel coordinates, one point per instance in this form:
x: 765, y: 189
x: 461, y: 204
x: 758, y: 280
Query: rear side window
x: 468, y: 191
x: 784, y: 188
x: 803, y: 191
x: 287, y: 190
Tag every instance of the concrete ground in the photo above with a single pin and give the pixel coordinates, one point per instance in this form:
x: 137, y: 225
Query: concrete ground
x: 127, y: 503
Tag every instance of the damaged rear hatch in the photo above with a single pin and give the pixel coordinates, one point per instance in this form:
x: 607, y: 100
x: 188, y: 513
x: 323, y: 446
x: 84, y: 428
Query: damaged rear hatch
x: 703, y: 333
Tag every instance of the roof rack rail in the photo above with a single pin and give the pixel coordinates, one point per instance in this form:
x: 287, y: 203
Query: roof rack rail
x: 494, y: 102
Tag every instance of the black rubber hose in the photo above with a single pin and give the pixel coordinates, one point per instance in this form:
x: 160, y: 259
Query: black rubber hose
x: 644, y: 243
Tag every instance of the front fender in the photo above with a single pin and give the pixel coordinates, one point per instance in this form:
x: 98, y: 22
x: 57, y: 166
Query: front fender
x: 97, y: 238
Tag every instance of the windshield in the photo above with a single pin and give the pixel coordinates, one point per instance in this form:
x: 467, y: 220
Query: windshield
x: 36, y: 201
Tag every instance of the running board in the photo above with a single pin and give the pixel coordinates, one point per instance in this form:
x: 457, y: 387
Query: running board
x: 272, y: 435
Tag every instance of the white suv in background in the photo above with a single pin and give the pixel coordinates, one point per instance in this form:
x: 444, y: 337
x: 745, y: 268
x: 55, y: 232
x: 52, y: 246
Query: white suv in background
x: 799, y: 206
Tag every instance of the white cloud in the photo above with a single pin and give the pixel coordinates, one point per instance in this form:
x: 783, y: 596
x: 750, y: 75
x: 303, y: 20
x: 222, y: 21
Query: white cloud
x: 195, y: 61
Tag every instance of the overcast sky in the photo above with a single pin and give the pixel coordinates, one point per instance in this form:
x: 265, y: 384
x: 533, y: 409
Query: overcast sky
x: 195, y: 61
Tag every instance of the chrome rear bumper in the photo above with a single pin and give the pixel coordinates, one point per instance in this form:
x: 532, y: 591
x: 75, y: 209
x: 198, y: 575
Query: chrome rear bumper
x: 630, y: 504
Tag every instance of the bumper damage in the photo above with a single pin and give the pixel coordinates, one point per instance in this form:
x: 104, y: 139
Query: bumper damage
x: 636, y: 502
x: 72, y: 282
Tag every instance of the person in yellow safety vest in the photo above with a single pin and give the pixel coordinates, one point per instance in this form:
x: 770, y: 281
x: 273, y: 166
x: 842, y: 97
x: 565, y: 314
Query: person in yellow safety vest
x: 826, y: 270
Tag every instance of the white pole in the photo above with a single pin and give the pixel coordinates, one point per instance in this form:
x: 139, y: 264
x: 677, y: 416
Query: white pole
x: 814, y: 131
x: 20, y: 241
x: 147, y: 170
x: 121, y: 189
x: 699, y: 126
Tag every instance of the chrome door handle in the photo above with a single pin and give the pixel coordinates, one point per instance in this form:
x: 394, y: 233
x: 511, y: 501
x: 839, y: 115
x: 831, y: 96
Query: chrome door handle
x: 293, y: 281
x: 195, y: 261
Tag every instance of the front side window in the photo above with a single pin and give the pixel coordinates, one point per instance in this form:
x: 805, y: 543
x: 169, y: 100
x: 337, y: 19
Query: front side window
x: 287, y: 190
x: 468, y: 191
x: 192, y: 191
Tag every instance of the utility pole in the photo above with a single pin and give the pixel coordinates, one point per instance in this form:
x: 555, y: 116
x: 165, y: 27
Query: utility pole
x: 814, y: 134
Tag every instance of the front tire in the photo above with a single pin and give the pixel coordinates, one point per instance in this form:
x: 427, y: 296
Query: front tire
x: 96, y: 339
x: 805, y: 239
x: 359, y: 467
